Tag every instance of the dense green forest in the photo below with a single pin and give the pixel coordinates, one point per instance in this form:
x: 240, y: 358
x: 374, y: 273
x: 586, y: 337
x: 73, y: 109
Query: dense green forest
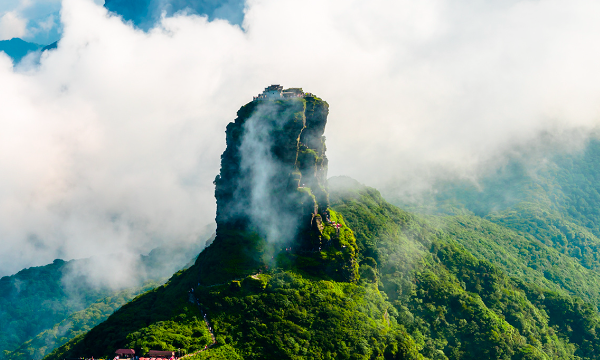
x: 43, y: 307
x: 75, y: 324
x: 421, y: 294
x: 467, y: 307
x: 35, y: 299
x: 553, y: 196
x: 547, y: 208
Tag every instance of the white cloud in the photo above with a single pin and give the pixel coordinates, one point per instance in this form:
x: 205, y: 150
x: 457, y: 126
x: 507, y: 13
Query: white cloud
x: 113, y: 142
x: 11, y: 26
x: 48, y: 24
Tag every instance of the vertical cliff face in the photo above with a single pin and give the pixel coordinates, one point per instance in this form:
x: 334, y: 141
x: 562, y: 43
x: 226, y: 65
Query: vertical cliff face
x: 272, y: 199
x: 274, y: 170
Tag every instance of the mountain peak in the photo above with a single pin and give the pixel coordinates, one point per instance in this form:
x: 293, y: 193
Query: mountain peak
x: 272, y: 189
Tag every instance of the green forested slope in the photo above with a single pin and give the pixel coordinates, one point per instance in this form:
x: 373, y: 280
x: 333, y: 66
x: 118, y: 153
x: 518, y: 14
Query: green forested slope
x: 523, y: 256
x: 462, y: 306
x: 75, y: 324
x: 35, y: 299
x: 421, y: 294
x: 448, y: 280
x: 550, y: 201
x: 554, y: 197
x: 43, y: 307
x: 161, y: 318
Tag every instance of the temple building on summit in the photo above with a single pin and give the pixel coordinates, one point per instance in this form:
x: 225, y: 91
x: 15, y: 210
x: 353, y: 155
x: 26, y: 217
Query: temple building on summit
x: 276, y: 92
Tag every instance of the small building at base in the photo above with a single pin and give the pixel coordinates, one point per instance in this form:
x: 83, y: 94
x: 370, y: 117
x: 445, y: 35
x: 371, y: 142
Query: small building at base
x: 125, y: 352
x: 160, y: 354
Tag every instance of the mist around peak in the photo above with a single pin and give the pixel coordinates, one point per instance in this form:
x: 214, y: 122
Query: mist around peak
x: 114, y: 139
x: 272, y: 197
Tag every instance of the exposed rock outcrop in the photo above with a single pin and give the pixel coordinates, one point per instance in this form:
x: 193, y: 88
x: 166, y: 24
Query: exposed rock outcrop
x: 272, y: 198
x: 274, y: 171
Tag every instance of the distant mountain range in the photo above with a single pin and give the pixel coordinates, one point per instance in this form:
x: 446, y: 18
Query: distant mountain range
x: 17, y: 49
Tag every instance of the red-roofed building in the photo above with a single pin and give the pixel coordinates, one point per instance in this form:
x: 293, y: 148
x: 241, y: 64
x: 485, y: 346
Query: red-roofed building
x: 125, y: 352
x: 159, y: 353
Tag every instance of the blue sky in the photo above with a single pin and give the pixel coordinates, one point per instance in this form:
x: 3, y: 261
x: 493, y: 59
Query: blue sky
x: 36, y: 21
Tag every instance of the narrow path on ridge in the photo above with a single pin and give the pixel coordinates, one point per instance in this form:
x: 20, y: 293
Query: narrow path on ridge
x: 205, y: 316
x: 210, y: 330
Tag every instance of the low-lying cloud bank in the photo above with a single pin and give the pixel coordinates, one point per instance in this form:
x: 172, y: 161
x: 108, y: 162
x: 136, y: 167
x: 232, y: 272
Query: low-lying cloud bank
x: 111, y: 144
